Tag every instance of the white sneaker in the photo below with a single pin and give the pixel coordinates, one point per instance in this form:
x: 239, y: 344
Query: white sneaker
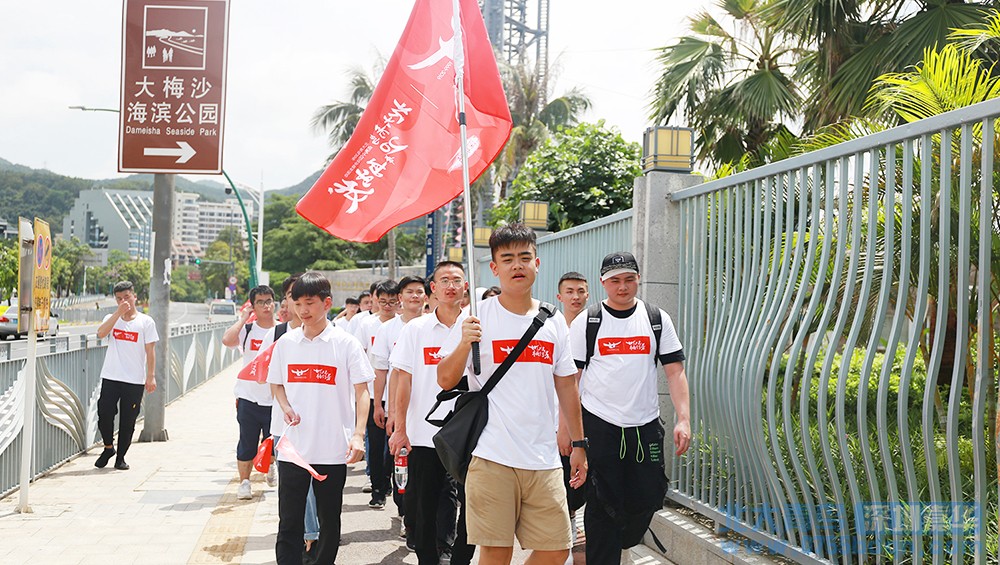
x: 272, y: 476
x: 402, y: 529
x: 367, y: 488
x: 244, y: 492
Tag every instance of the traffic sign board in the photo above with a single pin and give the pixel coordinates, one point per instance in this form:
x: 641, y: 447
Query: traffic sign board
x: 173, y: 89
x: 232, y: 280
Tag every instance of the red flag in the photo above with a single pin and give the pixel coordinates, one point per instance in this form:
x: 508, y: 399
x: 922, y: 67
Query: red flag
x: 256, y: 370
x: 403, y: 160
x: 286, y: 448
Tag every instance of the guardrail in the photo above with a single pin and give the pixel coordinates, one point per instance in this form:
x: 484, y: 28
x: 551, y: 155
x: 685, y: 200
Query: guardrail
x: 68, y: 384
x: 840, y: 312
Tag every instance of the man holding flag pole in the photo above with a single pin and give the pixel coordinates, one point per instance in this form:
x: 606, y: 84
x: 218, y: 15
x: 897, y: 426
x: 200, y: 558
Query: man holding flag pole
x: 409, y: 155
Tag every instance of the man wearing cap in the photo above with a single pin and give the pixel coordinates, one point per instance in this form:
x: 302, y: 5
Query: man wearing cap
x: 617, y: 345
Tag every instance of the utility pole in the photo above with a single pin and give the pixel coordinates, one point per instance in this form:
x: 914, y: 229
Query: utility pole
x: 391, y: 254
x: 155, y: 405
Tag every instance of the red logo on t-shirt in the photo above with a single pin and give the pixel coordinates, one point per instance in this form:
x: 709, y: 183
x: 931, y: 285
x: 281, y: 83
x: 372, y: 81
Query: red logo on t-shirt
x: 320, y: 374
x: 536, y: 352
x: 431, y: 355
x: 255, y: 344
x: 638, y: 345
x: 126, y: 336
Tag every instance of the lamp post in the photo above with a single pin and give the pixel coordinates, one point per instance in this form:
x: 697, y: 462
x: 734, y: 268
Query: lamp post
x: 246, y: 218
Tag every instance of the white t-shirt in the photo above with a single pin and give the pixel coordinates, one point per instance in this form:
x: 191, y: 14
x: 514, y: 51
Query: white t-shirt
x: 252, y: 390
x: 125, y: 359
x: 385, y: 340
x: 318, y: 375
x: 519, y: 431
x: 355, y: 322
x: 417, y: 352
x: 364, y: 332
x: 619, y: 385
x: 343, y: 323
x: 277, y: 417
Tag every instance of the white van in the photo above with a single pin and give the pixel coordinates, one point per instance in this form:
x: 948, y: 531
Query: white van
x: 222, y: 311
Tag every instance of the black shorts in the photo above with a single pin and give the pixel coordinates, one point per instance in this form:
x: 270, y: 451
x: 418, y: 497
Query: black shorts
x: 255, y: 426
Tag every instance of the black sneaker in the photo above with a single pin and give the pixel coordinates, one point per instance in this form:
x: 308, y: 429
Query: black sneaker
x: 104, y: 457
x: 121, y: 465
x: 377, y: 503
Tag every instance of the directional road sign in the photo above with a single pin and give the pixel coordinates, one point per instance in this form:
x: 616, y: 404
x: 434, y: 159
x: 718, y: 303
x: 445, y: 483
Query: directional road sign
x: 173, y: 90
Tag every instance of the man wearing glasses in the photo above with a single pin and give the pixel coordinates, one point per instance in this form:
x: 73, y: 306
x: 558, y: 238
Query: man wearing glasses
x: 253, y: 399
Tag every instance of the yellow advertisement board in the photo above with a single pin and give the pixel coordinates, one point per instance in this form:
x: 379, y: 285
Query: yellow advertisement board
x: 42, y: 287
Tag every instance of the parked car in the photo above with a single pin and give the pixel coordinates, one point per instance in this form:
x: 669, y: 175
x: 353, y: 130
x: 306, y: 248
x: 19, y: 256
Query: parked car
x: 222, y: 311
x: 8, y: 321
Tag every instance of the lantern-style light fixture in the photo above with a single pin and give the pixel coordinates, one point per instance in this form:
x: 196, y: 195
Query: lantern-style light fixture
x: 534, y: 214
x: 668, y: 148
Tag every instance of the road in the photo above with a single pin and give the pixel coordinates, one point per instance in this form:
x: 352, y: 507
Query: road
x: 180, y: 313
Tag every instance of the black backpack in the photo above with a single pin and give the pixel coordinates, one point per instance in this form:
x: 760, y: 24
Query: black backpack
x: 594, y: 316
x: 279, y: 331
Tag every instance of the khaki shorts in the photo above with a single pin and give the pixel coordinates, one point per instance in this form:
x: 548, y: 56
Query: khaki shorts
x: 503, y: 502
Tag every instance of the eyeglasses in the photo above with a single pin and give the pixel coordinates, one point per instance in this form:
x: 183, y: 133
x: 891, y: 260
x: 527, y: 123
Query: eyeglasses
x: 457, y: 283
x: 264, y: 304
x: 388, y: 302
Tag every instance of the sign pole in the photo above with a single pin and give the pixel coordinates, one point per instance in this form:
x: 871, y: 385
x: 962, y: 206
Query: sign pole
x: 155, y: 406
x: 24, y: 302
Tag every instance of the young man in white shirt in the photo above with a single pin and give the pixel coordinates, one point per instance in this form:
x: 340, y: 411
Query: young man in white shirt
x: 514, y: 485
x: 415, y: 361
x: 380, y: 472
x: 313, y: 368
x: 621, y: 410
x: 127, y: 371
x: 573, y: 295
x: 351, y: 307
x: 364, y: 310
x: 411, y: 296
x: 253, y: 399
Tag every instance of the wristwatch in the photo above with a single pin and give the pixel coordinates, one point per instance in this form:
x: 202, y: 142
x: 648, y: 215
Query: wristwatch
x: 584, y: 443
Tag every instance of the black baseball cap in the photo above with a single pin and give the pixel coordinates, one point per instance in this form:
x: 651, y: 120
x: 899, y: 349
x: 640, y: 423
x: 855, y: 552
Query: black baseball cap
x: 618, y: 263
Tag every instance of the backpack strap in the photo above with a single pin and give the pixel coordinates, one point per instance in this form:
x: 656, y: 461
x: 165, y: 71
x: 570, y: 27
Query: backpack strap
x: 656, y: 321
x: 593, y: 324
x: 545, y: 311
x: 246, y: 334
x: 280, y: 330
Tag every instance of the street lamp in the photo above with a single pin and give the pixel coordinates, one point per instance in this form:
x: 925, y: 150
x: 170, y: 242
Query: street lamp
x: 667, y: 148
x: 534, y: 214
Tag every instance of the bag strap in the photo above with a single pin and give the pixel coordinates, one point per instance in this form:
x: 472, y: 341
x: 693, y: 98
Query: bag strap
x: 280, y: 330
x: 656, y: 322
x: 544, y: 311
x: 594, y: 313
x: 246, y: 334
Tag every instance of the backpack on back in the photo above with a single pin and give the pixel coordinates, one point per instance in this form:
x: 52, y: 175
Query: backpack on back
x: 594, y: 315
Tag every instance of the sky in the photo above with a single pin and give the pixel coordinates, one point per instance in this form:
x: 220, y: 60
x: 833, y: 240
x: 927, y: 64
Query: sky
x: 285, y: 60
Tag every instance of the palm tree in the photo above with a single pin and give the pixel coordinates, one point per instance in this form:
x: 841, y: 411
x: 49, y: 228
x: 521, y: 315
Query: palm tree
x: 733, y: 87
x: 534, y: 117
x: 853, y: 42
x: 338, y: 120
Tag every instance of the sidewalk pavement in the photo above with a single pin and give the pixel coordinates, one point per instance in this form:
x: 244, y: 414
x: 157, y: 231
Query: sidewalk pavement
x: 177, y: 503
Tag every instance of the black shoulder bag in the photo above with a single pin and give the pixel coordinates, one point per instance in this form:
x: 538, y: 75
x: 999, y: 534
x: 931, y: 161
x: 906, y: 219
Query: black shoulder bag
x: 460, y: 430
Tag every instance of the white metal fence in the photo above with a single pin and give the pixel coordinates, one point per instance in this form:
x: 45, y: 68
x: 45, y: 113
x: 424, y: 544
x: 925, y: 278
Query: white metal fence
x: 68, y: 384
x: 840, y: 312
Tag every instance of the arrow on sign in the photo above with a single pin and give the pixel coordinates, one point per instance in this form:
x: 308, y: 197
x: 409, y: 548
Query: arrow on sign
x: 183, y: 152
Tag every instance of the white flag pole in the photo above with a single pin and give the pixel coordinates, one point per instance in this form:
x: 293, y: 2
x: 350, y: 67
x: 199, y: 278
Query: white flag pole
x: 459, y: 59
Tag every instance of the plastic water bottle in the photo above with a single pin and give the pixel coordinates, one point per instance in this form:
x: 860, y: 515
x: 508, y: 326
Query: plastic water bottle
x: 402, y: 461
